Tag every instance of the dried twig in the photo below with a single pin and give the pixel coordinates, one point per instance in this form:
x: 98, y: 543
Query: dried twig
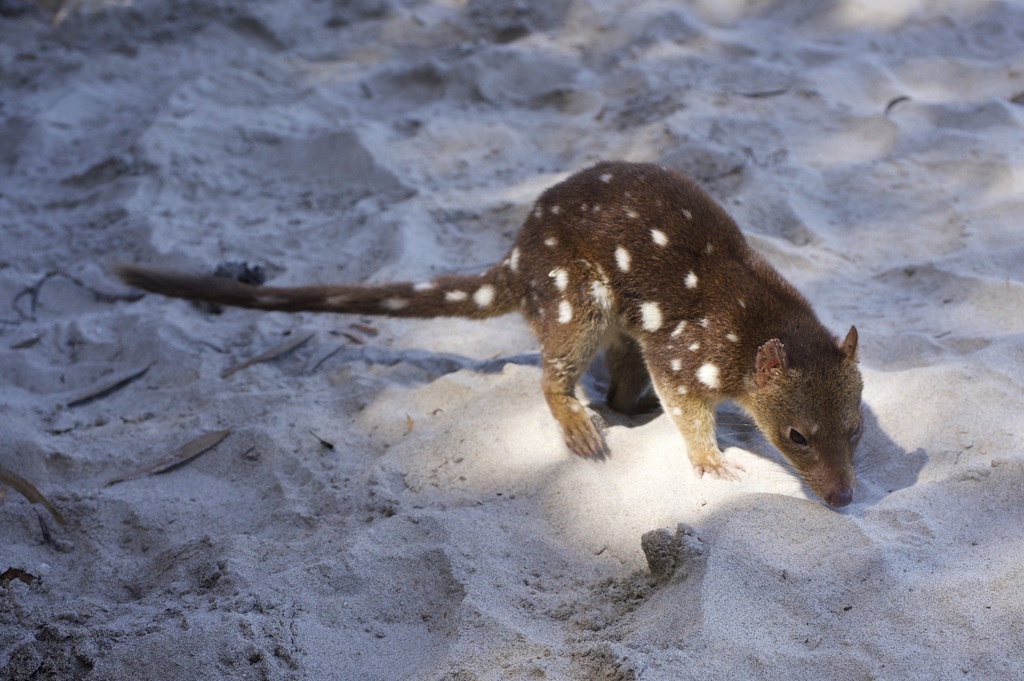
x: 11, y: 574
x: 269, y: 355
x: 45, y: 529
x: 29, y: 491
x: 27, y: 343
x: 326, y: 357
x: 327, y: 444
x: 108, y: 387
x: 352, y: 337
x: 894, y: 102
x: 187, y: 452
x: 33, y: 293
x: 365, y: 328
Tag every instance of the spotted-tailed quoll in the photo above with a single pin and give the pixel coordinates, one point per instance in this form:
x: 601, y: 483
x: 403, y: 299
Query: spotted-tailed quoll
x: 638, y: 260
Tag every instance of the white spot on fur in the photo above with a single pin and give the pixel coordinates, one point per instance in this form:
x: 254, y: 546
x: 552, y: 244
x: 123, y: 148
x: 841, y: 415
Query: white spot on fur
x: 564, y: 312
x: 455, y: 296
x: 691, y: 280
x: 561, y: 278
x: 732, y: 338
x: 679, y: 329
x: 424, y: 286
x: 694, y: 347
x: 687, y: 214
x: 538, y: 212
x: 513, y: 260
x: 710, y: 248
x: 632, y: 214
x: 704, y: 322
x: 583, y: 208
x: 555, y: 210
x: 574, y: 408
x: 676, y: 411
x: 607, y: 177
x: 622, y: 258
x: 551, y: 241
x: 708, y: 375
x: 659, y: 237
x: 742, y: 304
x: 597, y: 208
x: 677, y: 364
x: 484, y: 295
x: 601, y: 294
x: 333, y: 300
x: 681, y: 390
x: 394, y: 303
x: 651, y: 316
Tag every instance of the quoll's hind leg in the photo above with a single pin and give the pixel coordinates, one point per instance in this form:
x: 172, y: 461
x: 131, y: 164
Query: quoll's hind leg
x: 628, y: 378
x: 566, y: 351
x: 694, y: 418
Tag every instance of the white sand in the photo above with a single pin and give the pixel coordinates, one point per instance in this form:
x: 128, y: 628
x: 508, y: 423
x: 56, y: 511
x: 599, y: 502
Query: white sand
x: 449, y: 534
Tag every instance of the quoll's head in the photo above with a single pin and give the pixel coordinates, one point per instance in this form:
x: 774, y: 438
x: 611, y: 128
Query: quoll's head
x: 812, y: 414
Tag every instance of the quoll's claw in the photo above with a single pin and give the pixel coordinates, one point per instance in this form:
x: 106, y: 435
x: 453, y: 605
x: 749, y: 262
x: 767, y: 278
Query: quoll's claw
x: 589, y: 448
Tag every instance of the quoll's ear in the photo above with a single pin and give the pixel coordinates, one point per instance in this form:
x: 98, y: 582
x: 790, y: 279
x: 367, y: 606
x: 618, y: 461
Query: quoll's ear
x: 849, y: 346
x: 771, y: 362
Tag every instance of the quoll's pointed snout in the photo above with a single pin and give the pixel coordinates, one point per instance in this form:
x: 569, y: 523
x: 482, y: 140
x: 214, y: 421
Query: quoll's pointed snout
x: 839, y: 497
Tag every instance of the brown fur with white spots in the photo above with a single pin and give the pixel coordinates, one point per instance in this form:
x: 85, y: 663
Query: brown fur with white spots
x: 639, y: 260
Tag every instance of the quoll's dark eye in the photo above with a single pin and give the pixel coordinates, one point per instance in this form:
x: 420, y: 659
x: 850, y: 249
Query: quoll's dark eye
x: 857, y: 429
x: 797, y: 437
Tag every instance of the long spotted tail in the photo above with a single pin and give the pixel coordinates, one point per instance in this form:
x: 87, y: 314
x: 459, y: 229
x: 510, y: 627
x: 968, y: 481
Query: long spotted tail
x: 490, y: 294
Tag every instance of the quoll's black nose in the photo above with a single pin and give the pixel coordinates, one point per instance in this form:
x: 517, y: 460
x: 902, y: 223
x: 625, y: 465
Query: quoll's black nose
x: 839, y: 497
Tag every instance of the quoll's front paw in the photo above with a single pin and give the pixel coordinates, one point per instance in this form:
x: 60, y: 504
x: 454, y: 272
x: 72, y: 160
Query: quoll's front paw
x: 581, y: 435
x: 589, y: 445
x: 583, y: 438
x: 717, y: 466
